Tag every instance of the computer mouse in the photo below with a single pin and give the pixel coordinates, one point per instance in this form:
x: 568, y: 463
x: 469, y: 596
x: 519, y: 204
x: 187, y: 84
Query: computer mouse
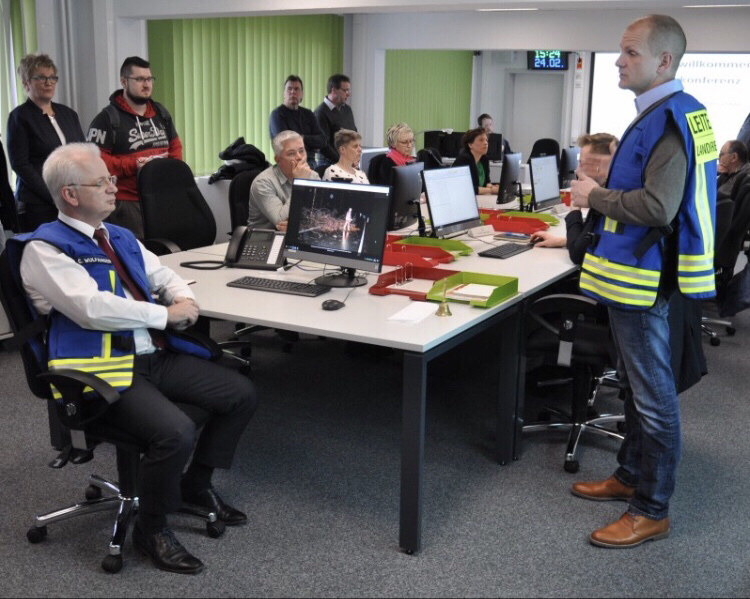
x: 332, y: 305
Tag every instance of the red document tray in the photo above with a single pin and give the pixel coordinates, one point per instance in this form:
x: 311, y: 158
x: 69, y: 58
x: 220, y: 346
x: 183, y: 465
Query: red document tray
x: 516, y: 224
x: 418, y: 255
x: 389, y: 278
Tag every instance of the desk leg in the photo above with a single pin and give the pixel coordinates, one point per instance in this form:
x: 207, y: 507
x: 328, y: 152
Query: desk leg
x: 510, y: 384
x: 412, y: 451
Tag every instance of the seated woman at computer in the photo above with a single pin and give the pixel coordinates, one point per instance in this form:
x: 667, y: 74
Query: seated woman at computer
x: 474, y: 155
x: 596, y: 153
x: 400, y: 140
x: 348, y: 144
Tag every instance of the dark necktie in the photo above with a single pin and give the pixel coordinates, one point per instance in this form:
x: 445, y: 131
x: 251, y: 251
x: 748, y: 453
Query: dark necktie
x: 157, y: 337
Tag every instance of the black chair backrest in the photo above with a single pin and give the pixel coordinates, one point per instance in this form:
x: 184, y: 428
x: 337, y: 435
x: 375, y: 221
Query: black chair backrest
x: 20, y: 316
x: 373, y: 172
x: 239, y: 196
x: 546, y: 147
x: 321, y: 169
x: 172, y: 205
x: 8, y: 212
x: 431, y: 158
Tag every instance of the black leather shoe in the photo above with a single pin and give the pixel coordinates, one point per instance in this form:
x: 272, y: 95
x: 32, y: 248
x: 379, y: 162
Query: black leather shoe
x: 166, y: 552
x: 210, y: 500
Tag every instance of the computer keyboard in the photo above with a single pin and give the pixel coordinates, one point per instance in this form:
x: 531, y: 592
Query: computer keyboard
x: 506, y: 250
x: 306, y: 289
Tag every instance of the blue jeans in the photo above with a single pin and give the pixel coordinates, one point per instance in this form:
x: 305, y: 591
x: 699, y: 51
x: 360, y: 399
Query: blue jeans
x: 651, y: 449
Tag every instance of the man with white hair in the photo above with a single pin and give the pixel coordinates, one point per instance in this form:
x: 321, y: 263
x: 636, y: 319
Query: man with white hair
x: 272, y: 189
x: 96, y: 282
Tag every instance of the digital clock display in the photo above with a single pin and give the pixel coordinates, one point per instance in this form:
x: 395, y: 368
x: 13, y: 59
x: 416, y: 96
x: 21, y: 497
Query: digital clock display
x: 547, y: 60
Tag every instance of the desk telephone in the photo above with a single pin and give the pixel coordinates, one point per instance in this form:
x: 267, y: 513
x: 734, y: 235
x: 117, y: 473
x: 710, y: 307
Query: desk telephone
x: 255, y: 248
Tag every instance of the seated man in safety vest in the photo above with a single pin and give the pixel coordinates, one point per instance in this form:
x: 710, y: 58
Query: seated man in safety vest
x: 96, y: 282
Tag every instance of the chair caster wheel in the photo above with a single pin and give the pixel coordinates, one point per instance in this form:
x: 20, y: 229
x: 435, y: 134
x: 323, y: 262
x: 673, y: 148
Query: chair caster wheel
x: 215, y: 529
x: 112, y: 564
x: 571, y: 466
x: 408, y: 551
x: 731, y: 331
x: 715, y: 341
x: 93, y: 492
x: 36, y: 535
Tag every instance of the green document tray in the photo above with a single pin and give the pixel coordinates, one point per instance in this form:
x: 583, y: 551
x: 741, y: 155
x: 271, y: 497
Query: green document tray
x: 505, y: 287
x: 449, y: 245
x: 547, y: 218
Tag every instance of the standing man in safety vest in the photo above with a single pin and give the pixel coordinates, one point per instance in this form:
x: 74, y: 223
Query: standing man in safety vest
x: 654, y: 235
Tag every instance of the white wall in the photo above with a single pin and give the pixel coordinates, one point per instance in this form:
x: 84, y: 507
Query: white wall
x: 106, y: 31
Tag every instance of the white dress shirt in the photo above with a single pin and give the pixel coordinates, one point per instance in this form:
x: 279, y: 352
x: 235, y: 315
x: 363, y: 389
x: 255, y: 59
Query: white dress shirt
x: 53, y: 279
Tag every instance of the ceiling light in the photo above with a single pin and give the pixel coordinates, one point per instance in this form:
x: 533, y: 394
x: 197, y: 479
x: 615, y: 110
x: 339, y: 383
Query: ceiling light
x: 504, y: 9
x: 716, y: 6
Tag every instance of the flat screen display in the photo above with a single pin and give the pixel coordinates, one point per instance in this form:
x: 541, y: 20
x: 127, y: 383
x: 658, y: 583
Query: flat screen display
x: 545, y: 183
x: 341, y: 224
x: 451, y: 200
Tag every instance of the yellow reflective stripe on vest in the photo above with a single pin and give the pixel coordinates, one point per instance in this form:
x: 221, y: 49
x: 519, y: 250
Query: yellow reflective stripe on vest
x: 620, y: 272
x: 621, y: 295
x: 610, y: 225
x: 697, y: 284
x: 687, y: 263
x: 118, y: 380
x: 117, y: 371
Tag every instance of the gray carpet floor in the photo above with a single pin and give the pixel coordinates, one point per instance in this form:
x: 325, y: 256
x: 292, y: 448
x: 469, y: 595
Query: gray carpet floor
x: 318, y: 473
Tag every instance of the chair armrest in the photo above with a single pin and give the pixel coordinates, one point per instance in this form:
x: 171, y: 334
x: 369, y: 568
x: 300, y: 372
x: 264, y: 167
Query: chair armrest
x: 565, y: 303
x: 71, y: 384
x: 161, y: 246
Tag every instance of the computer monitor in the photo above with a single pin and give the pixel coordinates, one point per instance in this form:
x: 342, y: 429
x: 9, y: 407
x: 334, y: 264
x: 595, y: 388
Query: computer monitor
x: 448, y: 144
x: 406, y: 189
x: 510, y: 179
x: 495, y: 147
x: 341, y: 224
x: 451, y: 200
x: 568, y: 164
x: 545, y: 184
x: 367, y: 155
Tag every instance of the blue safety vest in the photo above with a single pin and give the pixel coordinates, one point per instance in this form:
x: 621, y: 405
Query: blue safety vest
x: 108, y: 355
x: 621, y: 268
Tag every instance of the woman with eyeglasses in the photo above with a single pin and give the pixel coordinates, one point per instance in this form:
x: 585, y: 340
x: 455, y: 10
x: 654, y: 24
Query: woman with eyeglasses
x: 400, y: 140
x: 35, y: 128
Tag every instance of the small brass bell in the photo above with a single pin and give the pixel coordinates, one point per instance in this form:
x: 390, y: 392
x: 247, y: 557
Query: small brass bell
x: 444, y: 309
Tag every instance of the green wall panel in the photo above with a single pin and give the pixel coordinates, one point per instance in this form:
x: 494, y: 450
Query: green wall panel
x: 221, y: 78
x: 428, y: 89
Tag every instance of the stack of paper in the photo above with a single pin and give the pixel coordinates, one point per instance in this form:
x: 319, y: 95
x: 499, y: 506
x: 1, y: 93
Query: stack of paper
x: 471, y: 291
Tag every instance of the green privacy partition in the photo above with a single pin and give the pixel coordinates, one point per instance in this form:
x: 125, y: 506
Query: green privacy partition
x: 428, y: 89
x: 221, y: 78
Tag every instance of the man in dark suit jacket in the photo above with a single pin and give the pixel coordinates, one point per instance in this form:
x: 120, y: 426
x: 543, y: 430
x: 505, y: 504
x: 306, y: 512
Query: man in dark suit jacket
x: 334, y: 114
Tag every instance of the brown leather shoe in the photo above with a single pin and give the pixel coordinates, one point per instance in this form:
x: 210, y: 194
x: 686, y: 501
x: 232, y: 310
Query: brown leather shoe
x: 630, y: 531
x: 610, y: 489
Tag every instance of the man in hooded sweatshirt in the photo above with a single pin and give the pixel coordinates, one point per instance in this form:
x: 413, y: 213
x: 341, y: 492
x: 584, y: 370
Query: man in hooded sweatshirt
x: 132, y: 130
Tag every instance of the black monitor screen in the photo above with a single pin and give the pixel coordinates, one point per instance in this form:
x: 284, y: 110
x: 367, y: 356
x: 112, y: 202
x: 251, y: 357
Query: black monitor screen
x: 510, y: 178
x: 451, y: 200
x: 406, y: 189
x: 545, y: 185
x: 341, y: 224
x: 495, y: 146
x: 568, y: 164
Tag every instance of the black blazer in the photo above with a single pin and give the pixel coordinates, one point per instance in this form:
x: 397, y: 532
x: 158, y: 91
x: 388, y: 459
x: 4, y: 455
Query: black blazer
x: 465, y: 158
x: 31, y: 138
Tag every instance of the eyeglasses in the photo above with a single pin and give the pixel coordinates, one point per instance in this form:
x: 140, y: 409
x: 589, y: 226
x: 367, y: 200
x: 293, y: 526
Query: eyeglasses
x: 406, y: 142
x: 43, y: 79
x: 142, y: 79
x: 102, y: 182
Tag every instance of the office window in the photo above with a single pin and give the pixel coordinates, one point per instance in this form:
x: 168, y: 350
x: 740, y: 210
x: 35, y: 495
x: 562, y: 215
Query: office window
x: 720, y: 81
x: 220, y: 78
x: 428, y: 89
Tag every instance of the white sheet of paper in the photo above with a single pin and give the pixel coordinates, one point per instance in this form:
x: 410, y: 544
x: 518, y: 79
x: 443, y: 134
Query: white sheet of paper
x: 419, y: 285
x: 414, y: 312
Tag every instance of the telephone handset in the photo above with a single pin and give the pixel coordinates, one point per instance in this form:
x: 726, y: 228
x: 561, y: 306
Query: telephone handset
x: 255, y: 248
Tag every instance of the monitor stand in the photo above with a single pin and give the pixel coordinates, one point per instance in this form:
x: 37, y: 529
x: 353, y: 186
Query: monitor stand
x: 346, y: 278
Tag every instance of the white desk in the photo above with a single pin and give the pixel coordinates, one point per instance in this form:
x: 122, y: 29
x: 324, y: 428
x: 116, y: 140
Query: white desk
x: 365, y: 319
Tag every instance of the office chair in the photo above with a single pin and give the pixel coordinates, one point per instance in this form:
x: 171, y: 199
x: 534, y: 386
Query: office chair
x: 239, y: 196
x: 571, y: 331
x: 176, y: 217
x: 546, y: 147
x: 431, y: 158
x: 75, y: 427
x: 373, y: 171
